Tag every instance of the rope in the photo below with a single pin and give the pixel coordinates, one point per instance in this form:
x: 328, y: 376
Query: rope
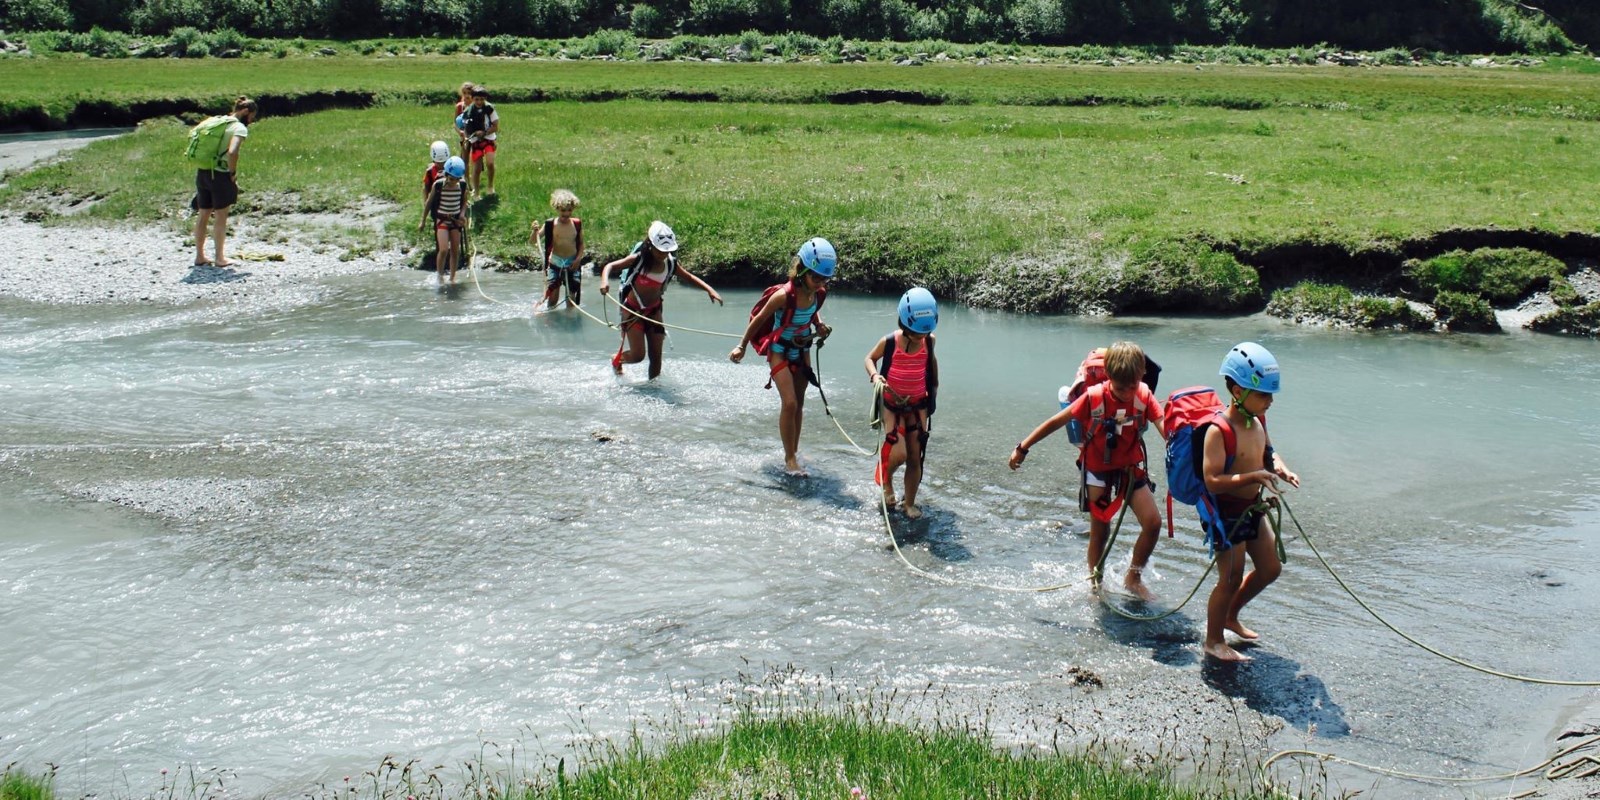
x: 883, y: 506
x: 1105, y: 553
x: 627, y: 310
x: 1402, y: 634
x: 817, y: 357
x: 1552, y: 771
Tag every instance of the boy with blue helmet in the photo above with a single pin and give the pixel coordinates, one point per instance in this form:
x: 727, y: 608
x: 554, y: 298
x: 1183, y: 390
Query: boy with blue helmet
x: 447, y: 204
x: 1236, y: 480
x: 783, y: 325
x: 905, y: 372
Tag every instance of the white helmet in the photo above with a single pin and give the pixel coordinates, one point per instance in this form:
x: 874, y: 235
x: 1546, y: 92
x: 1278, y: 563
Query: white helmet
x: 440, y: 151
x: 662, y: 237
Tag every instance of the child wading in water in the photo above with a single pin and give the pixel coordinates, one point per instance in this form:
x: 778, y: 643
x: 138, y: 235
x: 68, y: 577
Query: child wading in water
x: 1235, y: 480
x: 447, y: 204
x: 562, y: 240
x: 646, y: 271
x: 782, y: 326
x: 438, y: 152
x: 905, y: 372
x: 1112, y: 417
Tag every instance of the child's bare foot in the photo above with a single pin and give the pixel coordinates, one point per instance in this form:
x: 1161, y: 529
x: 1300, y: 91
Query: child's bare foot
x: 889, y: 500
x: 1134, y: 583
x: 1222, y: 652
x: 911, y: 510
x: 222, y: 263
x: 793, y: 468
x: 1239, y: 628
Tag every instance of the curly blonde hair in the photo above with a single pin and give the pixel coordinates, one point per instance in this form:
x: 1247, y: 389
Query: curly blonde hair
x: 563, y: 200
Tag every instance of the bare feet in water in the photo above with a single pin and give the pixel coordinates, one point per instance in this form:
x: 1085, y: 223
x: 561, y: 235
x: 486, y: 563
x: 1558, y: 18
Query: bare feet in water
x: 794, y: 468
x: 1222, y: 652
x: 1243, y: 632
x: 912, y: 511
x: 889, y: 500
x: 1134, y: 583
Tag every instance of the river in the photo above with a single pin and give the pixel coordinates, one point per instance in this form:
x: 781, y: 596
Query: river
x: 287, y: 541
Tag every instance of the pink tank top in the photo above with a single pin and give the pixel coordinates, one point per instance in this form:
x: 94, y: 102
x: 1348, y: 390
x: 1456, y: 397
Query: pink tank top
x: 908, y: 373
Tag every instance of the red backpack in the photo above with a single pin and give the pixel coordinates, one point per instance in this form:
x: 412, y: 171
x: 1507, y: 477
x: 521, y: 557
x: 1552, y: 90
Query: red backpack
x: 764, y: 344
x: 1189, y: 412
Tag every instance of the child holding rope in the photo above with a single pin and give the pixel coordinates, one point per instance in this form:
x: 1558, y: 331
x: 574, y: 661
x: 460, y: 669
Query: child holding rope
x: 1235, y: 479
x: 783, y: 325
x: 647, y: 268
x: 905, y: 372
x: 1112, y: 417
x: 561, y: 241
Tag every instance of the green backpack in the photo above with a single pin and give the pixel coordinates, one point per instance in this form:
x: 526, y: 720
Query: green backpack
x: 208, y: 143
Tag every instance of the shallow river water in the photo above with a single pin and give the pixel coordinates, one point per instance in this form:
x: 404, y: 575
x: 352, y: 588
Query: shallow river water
x: 288, y: 541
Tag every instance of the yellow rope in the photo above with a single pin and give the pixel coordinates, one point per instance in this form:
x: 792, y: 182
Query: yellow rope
x: 1548, y: 765
x: 627, y: 310
x: 1402, y: 634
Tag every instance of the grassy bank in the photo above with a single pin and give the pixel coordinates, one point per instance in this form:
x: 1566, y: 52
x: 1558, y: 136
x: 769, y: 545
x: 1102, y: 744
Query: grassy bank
x: 1132, y: 207
x: 796, y: 756
x: 41, y: 93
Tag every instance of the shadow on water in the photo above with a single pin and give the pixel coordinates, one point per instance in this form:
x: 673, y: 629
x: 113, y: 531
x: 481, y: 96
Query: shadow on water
x: 1168, y: 639
x: 937, y: 528
x: 451, y: 291
x: 822, y: 488
x: 1272, y: 684
x: 208, y: 273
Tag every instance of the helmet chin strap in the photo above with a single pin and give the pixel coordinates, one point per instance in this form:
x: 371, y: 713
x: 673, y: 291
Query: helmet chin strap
x: 1238, y: 402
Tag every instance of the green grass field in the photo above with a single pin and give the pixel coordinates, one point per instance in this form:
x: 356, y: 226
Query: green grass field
x: 1124, y: 202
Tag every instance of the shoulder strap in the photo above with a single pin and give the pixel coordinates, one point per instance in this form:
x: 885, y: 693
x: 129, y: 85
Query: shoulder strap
x: 931, y: 374
x: 889, y: 344
x: 547, y: 234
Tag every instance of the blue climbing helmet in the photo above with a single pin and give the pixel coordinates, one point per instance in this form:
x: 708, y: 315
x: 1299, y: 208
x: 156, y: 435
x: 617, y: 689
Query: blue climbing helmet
x: 818, y: 255
x: 919, y: 312
x: 461, y: 122
x: 1252, y: 367
x: 455, y: 167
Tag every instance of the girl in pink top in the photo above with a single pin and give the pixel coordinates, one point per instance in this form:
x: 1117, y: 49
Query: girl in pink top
x: 905, y: 371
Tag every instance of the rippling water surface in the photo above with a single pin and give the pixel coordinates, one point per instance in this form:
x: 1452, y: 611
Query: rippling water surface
x: 288, y: 541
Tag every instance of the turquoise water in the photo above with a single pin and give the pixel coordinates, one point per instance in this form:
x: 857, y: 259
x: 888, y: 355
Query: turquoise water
x: 288, y: 541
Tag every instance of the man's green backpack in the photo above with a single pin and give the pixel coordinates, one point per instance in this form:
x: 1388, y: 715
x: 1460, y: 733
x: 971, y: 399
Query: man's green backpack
x: 208, y: 143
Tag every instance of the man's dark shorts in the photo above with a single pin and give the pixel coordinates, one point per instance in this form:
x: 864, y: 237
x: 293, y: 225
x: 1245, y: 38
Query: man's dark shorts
x: 215, y: 189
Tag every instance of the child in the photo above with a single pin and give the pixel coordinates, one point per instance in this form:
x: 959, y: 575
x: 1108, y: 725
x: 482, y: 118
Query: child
x: 463, y: 100
x: 783, y: 330
x: 562, y: 238
x: 905, y: 372
x: 438, y: 152
x: 482, y: 125
x: 647, y: 267
x: 1112, y: 417
x: 1235, y: 480
x: 447, y: 204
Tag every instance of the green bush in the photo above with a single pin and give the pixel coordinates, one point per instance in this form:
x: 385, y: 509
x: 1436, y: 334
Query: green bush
x: 1389, y: 312
x: 1579, y: 320
x: 648, y: 22
x: 726, y: 16
x: 609, y: 43
x: 1564, y: 295
x: 35, y: 15
x: 227, y: 39
x: 1186, y: 276
x: 1309, y: 299
x: 1465, y: 312
x: 1501, y: 275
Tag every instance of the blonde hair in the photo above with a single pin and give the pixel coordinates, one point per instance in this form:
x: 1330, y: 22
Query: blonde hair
x: 563, y: 200
x: 1124, y: 363
x: 465, y: 90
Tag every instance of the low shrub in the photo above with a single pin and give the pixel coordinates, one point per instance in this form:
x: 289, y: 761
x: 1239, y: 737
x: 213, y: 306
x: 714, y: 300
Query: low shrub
x: 1581, y: 320
x: 1563, y: 293
x: 1470, y: 313
x: 1500, y: 275
x: 1186, y: 276
x: 1308, y: 301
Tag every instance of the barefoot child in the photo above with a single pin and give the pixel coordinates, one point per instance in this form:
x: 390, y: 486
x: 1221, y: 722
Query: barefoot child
x: 561, y: 238
x: 437, y: 153
x: 905, y: 372
x: 783, y: 329
x: 1112, y: 417
x: 447, y: 204
x: 1236, y: 480
x: 646, y: 272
